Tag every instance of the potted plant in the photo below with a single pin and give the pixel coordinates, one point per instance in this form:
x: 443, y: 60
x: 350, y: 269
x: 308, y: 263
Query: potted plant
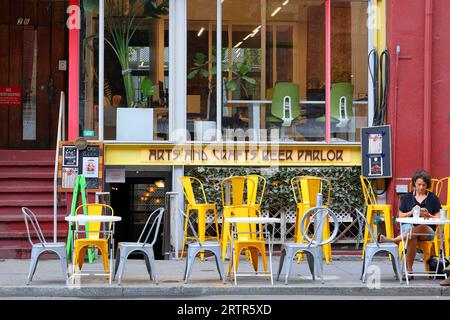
x: 239, y: 70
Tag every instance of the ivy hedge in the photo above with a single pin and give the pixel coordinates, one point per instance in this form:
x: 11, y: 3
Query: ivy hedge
x: 346, y: 191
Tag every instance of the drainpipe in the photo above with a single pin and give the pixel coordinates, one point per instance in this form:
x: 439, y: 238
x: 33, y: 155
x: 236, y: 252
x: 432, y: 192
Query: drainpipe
x: 428, y: 59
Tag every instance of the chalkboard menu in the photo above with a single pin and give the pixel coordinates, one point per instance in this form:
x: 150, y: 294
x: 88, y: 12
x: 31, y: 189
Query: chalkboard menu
x: 376, y: 152
x: 86, y: 160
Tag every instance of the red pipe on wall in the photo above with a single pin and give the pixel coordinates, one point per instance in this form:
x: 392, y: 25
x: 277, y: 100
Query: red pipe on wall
x: 327, y: 70
x: 74, y: 63
x: 427, y: 78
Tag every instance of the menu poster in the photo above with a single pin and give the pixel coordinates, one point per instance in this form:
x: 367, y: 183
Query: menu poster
x: 90, y: 167
x: 70, y: 156
x: 375, y: 143
x: 69, y: 176
x: 375, y: 166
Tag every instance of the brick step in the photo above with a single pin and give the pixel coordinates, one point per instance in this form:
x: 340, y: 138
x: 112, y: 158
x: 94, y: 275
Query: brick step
x: 26, y: 196
x: 26, y: 189
x: 44, y: 173
x: 22, y: 235
x: 25, y: 163
x: 16, y: 223
x: 38, y: 210
x: 27, y: 155
x: 8, y: 183
x: 30, y: 203
x: 27, y: 169
x: 28, y: 173
x: 23, y: 253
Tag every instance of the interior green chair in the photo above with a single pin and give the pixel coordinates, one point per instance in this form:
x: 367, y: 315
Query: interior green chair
x: 341, y: 104
x: 285, y: 104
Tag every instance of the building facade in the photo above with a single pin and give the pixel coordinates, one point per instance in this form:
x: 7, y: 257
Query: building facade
x: 192, y: 87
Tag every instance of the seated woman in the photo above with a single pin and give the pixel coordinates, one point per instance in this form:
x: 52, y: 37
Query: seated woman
x: 429, y: 206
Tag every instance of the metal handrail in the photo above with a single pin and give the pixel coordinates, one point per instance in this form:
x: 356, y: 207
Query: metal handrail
x: 60, y: 136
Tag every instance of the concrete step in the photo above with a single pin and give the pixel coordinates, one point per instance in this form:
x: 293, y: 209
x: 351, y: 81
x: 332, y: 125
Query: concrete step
x: 34, y: 173
x: 38, y: 210
x: 27, y: 155
x: 29, y: 203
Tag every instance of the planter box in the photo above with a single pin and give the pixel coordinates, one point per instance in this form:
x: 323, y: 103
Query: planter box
x: 134, y: 124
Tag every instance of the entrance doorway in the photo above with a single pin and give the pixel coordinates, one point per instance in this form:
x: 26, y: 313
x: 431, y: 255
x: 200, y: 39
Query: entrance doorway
x: 134, y: 200
x: 32, y: 63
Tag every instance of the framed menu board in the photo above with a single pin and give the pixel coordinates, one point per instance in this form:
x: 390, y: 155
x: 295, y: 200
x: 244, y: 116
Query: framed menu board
x: 376, y: 152
x: 86, y: 159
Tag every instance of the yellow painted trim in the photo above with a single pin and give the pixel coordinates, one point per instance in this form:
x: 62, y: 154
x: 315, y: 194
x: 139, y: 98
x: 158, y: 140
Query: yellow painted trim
x: 232, y: 155
x: 381, y: 26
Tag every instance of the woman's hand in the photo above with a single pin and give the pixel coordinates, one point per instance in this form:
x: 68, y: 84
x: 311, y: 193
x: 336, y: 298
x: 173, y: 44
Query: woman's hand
x: 425, y: 214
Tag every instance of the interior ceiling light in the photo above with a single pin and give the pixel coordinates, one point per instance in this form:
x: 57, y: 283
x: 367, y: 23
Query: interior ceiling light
x: 255, y: 31
x: 238, y: 44
x: 276, y: 11
x: 160, y: 183
x: 200, y: 32
x: 285, y: 3
x: 248, y: 36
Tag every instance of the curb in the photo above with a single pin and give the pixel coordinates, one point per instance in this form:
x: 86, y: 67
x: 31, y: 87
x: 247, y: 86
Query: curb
x: 183, y: 291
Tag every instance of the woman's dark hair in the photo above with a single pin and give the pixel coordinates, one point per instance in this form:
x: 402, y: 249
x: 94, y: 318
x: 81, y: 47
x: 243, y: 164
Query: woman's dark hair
x: 421, y: 174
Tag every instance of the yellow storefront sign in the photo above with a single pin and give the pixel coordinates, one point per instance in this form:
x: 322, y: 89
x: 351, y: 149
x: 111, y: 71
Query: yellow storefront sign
x: 233, y: 155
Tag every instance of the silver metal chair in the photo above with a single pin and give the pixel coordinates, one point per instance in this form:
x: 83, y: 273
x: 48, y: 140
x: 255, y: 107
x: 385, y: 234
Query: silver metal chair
x: 124, y: 249
x: 313, y: 246
x: 37, y: 248
x: 196, y: 247
x: 374, y: 247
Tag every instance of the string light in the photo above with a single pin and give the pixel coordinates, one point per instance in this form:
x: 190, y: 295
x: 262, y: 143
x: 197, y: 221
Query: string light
x: 276, y: 11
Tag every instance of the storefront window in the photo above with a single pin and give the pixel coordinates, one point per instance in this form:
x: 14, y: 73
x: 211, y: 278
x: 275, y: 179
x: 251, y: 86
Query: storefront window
x: 295, y: 66
x: 271, y: 49
x: 349, y: 34
x: 201, y: 69
x: 136, y: 71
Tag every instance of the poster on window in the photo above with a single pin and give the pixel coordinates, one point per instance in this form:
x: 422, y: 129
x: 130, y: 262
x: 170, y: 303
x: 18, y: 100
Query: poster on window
x: 90, y: 167
x: 70, y: 156
x: 375, y: 166
x: 69, y: 176
x: 375, y: 143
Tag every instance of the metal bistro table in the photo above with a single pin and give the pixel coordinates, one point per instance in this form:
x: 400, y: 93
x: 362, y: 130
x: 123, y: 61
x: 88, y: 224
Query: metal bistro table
x: 266, y: 233
x: 419, y: 221
x: 81, y: 218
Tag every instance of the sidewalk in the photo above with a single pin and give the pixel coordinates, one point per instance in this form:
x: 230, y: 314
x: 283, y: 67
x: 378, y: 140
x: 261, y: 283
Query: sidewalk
x: 341, y: 279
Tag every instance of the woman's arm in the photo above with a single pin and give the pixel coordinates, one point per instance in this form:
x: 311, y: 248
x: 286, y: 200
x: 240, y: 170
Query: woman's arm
x: 404, y: 214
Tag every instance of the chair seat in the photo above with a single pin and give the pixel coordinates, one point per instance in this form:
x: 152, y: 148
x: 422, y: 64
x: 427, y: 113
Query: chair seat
x: 273, y: 119
x: 90, y: 241
x: 298, y: 245
x: 50, y: 245
x: 205, y: 244
x: 134, y: 244
x: 384, y: 245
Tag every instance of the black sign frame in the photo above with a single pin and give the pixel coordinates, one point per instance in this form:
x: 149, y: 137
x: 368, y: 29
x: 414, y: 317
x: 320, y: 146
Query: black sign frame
x: 376, y: 152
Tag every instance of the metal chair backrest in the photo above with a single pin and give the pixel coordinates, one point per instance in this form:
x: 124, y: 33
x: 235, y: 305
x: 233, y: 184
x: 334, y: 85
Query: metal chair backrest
x: 95, y: 209
x: 239, y: 190
x: 154, y: 227
x: 239, y: 193
x: 305, y: 189
x: 188, y: 183
x: 318, y: 214
x: 433, y: 188
x: 441, y: 185
x: 30, y: 217
x: 369, y: 196
x: 191, y: 227
x: 360, y: 215
x: 279, y: 109
x: 256, y: 196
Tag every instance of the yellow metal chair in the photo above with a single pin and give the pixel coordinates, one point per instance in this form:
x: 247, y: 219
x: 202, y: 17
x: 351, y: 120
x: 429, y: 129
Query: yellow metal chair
x: 305, y: 189
x: 202, y: 207
x: 443, y: 184
x: 249, y: 236
x: 240, y: 193
x: 372, y: 206
x: 435, y: 242
x: 94, y: 236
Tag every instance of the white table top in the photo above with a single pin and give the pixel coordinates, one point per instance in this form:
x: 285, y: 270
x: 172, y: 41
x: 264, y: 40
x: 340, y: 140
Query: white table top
x: 253, y: 220
x: 431, y: 221
x: 84, y: 218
